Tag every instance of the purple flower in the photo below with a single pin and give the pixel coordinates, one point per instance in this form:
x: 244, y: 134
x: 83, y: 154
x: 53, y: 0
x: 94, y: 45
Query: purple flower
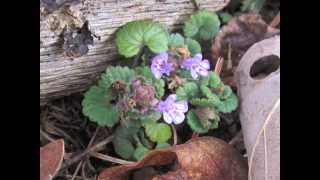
x: 197, y: 66
x: 160, y: 65
x: 173, y: 111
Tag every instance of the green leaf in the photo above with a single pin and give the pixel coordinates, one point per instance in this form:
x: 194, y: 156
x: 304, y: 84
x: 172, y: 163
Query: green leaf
x: 116, y: 73
x: 133, y: 36
x: 128, y: 129
x: 229, y: 104
x: 214, y: 99
x: 151, y: 116
x: 187, y: 91
x: 193, y: 46
x: 140, y: 152
x: 123, y: 147
x: 97, y: 107
x: 176, y: 40
x: 158, y: 132
x: 162, y: 145
x: 225, y: 17
x: 214, y: 80
x: 195, y: 124
x: 226, y: 93
x: 201, y: 102
x: 252, y: 5
x: 144, y: 140
x: 202, y: 26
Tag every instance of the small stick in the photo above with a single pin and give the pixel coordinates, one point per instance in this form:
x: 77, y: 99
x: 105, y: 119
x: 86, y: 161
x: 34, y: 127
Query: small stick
x: 219, y: 65
x: 229, y: 61
x: 109, y: 158
x: 45, y: 135
x: 276, y: 20
x: 175, y: 136
x: 76, y: 171
x: 93, y: 137
x: 95, y: 147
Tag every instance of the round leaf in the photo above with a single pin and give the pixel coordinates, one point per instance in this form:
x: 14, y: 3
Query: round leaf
x: 158, y: 132
x: 133, y: 36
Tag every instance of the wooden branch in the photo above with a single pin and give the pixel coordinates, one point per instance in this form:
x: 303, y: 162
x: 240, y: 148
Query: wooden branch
x: 61, y: 76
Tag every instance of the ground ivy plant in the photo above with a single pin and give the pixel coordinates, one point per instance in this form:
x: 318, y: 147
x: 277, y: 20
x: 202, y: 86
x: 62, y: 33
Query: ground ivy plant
x: 173, y: 85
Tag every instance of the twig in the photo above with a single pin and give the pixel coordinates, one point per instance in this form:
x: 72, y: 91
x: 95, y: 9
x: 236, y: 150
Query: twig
x: 45, y: 135
x: 76, y: 171
x: 95, y: 147
x: 93, y: 137
x: 276, y: 20
x: 175, y: 136
x: 229, y: 61
x: 109, y: 158
x: 219, y: 65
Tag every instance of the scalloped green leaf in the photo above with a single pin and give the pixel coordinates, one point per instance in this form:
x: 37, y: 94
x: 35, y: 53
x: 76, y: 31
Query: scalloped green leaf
x: 193, y: 46
x: 97, y: 107
x: 203, y: 25
x: 214, y: 99
x: 133, y: 36
x: 115, y: 73
x: 252, y: 5
x: 214, y: 80
x: 123, y: 147
x: 187, y: 91
x: 204, y: 102
x: 158, y: 132
x: 226, y: 93
x: 176, y: 40
x: 140, y: 152
x: 195, y: 124
x: 228, y: 105
x: 128, y: 129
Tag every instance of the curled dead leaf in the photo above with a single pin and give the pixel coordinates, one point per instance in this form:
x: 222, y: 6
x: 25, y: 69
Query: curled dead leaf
x: 202, y: 158
x: 260, y: 107
x: 235, y: 38
x: 51, y: 156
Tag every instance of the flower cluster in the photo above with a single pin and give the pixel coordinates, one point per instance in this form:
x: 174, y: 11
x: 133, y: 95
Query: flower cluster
x: 172, y: 110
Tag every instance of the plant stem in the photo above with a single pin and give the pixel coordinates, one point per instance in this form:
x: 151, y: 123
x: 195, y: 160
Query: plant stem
x: 110, y: 158
x: 136, y: 59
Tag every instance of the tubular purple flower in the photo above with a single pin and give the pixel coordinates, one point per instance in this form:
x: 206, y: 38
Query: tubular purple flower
x: 160, y: 65
x: 173, y: 111
x: 197, y: 66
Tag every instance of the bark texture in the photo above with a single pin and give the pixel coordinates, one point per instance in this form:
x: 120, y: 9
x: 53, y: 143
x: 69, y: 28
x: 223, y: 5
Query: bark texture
x: 60, y: 75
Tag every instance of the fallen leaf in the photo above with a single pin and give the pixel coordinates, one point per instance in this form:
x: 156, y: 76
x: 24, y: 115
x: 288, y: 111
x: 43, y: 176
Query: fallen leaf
x: 237, y: 37
x: 51, y: 156
x: 260, y: 107
x: 202, y: 158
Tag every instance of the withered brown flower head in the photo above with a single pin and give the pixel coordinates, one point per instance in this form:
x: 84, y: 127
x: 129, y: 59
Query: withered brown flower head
x: 143, y: 95
x: 119, y: 85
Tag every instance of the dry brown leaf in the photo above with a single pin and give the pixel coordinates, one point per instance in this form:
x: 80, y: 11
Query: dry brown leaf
x: 202, y: 158
x: 260, y: 109
x: 51, y: 156
x: 235, y: 38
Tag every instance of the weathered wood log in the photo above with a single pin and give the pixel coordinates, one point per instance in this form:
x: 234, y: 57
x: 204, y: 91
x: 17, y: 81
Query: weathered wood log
x: 60, y: 75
